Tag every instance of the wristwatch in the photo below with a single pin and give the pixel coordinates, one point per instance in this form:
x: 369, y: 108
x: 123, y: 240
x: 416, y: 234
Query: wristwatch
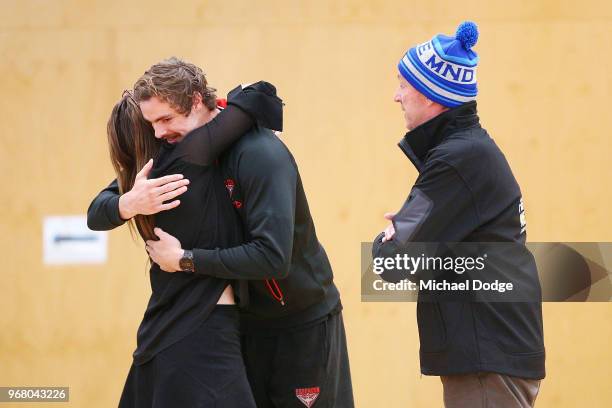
x: 186, y: 263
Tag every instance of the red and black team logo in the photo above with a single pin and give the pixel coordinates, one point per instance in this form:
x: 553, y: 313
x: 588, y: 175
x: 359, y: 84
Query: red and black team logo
x: 308, y: 396
x: 230, y: 184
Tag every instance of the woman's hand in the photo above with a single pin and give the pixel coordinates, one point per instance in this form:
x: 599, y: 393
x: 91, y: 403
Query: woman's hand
x: 147, y: 196
x: 166, y: 252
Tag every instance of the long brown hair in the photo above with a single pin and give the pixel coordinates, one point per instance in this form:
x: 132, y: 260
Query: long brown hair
x: 131, y: 144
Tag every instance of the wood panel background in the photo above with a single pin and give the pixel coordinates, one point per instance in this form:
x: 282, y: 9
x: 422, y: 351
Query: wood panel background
x: 544, y: 81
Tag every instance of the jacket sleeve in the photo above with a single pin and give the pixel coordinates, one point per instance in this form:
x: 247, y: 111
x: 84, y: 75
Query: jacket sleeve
x: 255, y: 103
x: 439, y: 208
x: 267, y: 175
x: 103, y: 212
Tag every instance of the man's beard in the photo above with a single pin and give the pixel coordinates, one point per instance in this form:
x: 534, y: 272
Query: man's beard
x: 173, y: 138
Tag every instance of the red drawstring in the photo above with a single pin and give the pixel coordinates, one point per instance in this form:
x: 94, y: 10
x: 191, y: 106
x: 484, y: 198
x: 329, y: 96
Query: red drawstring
x: 278, y: 296
x: 222, y: 104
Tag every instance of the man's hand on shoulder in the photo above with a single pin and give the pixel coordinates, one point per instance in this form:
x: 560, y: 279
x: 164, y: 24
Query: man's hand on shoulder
x: 150, y: 196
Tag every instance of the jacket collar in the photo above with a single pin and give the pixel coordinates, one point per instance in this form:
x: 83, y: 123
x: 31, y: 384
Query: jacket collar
x: 418, y: 142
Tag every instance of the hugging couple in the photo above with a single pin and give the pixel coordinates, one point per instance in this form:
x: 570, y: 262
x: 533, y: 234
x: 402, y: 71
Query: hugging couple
x: 243, y: 311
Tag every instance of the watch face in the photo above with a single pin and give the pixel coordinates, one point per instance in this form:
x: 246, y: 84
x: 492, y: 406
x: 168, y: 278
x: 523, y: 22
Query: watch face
x: 186, y: 264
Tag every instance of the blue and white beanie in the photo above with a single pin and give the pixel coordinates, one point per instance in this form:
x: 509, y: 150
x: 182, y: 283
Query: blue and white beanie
x: 444, y: 69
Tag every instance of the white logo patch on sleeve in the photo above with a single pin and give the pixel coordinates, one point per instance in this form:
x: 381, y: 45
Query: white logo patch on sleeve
x: 522, y: 216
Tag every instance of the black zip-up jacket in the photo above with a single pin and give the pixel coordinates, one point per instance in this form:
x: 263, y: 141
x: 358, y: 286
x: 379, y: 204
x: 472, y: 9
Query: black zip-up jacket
x: 290, y: 279
x: 466, y: 192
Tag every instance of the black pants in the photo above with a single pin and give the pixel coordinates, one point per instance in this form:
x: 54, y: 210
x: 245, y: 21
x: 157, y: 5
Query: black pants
x: 301, y: 367
x: 205, y: 369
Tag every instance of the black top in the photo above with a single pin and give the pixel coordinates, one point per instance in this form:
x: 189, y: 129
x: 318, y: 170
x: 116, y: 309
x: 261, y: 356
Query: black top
x: 290, y: 279
x: 466, y: 192
x: 180, y: 302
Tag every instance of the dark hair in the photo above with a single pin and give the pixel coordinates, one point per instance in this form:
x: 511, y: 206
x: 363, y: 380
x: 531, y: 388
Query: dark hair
x: 175, y: 81
x: 131, y: 143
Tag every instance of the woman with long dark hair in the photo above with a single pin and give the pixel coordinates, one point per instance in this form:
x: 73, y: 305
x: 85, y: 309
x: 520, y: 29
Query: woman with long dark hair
x: 188, y: 351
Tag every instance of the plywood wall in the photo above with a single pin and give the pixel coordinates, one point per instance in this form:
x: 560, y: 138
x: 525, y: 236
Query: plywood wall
x: 544, y: 81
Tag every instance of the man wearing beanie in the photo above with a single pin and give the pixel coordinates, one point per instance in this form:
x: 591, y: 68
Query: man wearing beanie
x: 488, y: 354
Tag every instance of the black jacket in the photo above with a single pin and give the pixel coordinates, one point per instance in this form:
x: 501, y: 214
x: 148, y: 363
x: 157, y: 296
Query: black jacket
x: 290, y: 277
x: 466, y: 192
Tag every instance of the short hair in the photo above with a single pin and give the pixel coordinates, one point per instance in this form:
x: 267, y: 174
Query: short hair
x: 175, y: 81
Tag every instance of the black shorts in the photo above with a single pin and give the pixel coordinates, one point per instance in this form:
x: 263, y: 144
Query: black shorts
x: 204, y: 369
x: 303, y: 367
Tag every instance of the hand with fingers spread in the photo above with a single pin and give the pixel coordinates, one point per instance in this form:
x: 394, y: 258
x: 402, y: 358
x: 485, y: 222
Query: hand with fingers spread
x: 166, y: 252
x: 390, y: 230
x: 152, y: 196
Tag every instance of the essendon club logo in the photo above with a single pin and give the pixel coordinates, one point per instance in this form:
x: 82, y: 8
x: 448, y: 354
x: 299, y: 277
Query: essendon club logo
x: 308, y: 396
x: 230, y: 184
